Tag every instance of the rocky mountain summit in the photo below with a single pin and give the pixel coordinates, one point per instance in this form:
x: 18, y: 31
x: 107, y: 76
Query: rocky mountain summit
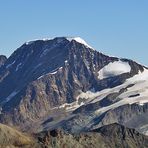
x: 63, y: 82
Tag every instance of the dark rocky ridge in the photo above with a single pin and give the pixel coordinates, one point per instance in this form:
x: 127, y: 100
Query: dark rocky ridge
x: 110, y: 136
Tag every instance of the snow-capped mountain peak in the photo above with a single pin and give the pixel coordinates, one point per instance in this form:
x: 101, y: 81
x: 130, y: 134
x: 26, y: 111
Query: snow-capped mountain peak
x: 79, y: 40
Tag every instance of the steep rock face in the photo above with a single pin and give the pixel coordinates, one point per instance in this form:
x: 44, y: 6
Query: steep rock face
x: 47, y: 77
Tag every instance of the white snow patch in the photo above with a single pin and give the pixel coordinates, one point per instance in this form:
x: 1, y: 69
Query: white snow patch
x: 10, y: 96
x: 45, y: 52
x: 94, y: 66
x: 140, y: 77
x: 18, y: 66
x: 40, y: 77
x: 79, y: 40
x: 47, y: 39
x: 32, y: 41
x: 38, y: 66
x: 70, y: 106
x: 52, y: 73
x: 9, y: 65
x: 92, y: 96
x: 114, y: 69
x: 75, y: 80
x: 140, y: 100
x: 29, y: 42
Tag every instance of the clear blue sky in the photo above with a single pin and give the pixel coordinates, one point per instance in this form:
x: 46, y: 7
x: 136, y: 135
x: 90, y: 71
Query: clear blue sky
x: 115, y: 27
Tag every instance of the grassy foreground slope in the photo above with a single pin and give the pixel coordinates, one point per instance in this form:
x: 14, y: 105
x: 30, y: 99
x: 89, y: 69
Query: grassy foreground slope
x: 11, y: 138
x: 110, y: 136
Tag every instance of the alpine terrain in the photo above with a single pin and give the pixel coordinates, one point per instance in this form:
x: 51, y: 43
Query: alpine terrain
x: 63, y: 83
x: 110, y: 136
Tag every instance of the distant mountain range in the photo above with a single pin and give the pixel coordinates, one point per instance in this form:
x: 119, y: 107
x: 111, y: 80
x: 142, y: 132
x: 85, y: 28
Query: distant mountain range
x: 64, y: 83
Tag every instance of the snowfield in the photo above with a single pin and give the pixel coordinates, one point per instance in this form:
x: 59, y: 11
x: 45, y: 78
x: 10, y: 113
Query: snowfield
x: 138, y: 93
x: 114, y: 69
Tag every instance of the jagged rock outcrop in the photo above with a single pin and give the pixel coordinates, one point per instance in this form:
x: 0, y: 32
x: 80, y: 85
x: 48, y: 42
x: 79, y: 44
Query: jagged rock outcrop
x: 110, y: 136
